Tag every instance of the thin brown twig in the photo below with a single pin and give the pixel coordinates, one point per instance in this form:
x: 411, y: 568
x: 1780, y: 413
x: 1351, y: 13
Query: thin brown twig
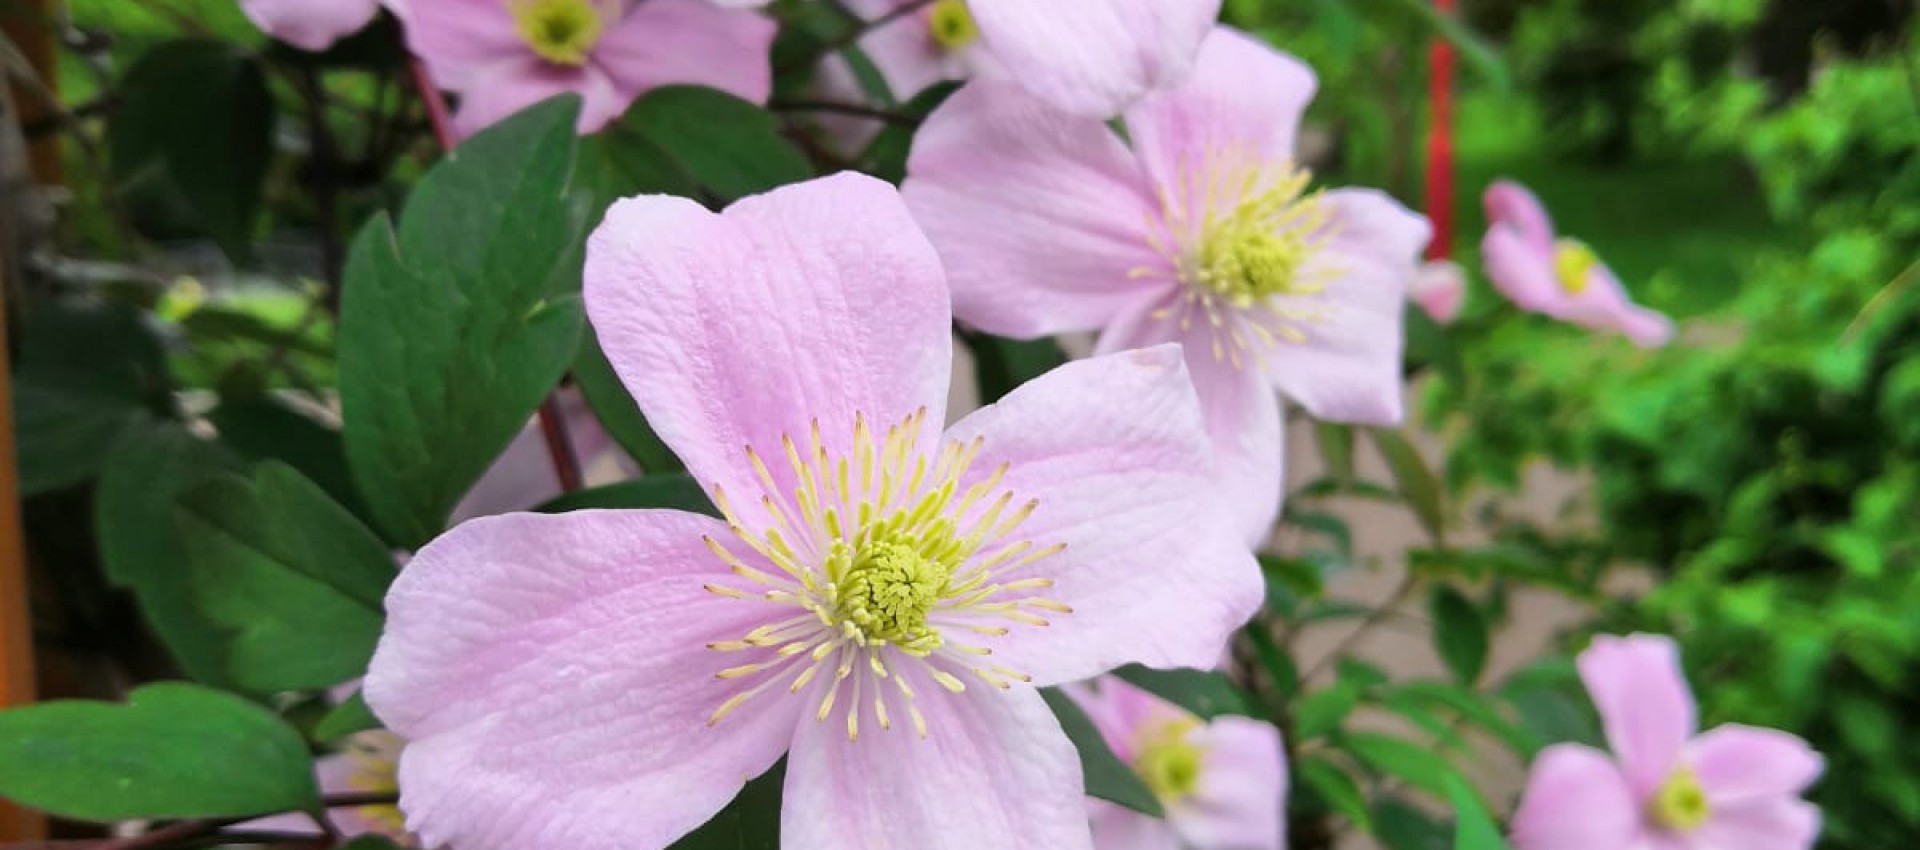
x: 853, y: 34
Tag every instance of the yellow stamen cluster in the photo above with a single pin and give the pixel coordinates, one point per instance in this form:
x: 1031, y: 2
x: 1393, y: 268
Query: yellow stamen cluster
x: 1680, y: 804
x: 1168, y: 762
x: 889, y: 554
x: 1573, y: 264
x: 560, y: 31
x: 952, y: 24
x: 376, y: 770
x: 1244, y: 236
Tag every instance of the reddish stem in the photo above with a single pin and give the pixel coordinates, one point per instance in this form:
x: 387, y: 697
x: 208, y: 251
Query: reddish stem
x: 1440, y: 57
x: 553, y: 423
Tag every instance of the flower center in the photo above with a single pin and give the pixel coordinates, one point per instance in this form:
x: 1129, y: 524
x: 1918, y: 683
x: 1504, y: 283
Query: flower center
x: 889, y: 557
x: 1573, y: 264
x: 375, y: 760
x: 1680, y: 804
x: 560, y: 31
x: 1244, y: 237
x: 1168, y: 762
x: 952, y: 24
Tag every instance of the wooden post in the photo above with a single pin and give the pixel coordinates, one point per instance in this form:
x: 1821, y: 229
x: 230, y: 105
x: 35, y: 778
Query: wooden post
x: 1440, y: 59
x: 16, y: 630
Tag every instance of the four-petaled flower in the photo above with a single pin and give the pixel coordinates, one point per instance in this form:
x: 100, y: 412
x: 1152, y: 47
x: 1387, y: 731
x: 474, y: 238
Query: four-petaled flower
x: 881, y: 600
x: 1732, y: 788
x: 1222, y: 782
x: 504, y: 55
x: 1203, y: 232
x: 1558, y: 277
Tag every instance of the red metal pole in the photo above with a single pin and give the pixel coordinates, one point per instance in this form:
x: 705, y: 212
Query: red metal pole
x: 1440, y: 174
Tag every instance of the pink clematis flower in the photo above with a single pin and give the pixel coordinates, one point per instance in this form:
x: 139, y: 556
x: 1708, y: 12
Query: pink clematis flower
x: 1089, y: 57
x: 1202, y: 232
x: 367, y: 765
x: 1223, y: 782
x: 502, y: 56
x: 1558, y: 277
x: 1733, y: 788
x: 879, y: 604
x: 1440, y: 290
x: 310, y: 24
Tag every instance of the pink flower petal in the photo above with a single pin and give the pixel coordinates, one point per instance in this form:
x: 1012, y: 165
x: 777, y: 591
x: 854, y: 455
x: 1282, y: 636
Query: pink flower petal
x: 1440, y: 288
x: 817, y: 300
x: 1645, y: 705
x: 1577, y: 800
x: 310, y: 24
x: 1737, y: 764
x: 1094, y: 57
x: 994, y: 771
x: 1521, y: 271
x: 500, y: 90
x: 1241, y: 411
x: 1040, y: 217
x: 1122, y: 711
x: 1117, y: 828
x: 1244, y: 97
x: 1779, y: 824
x: 460, y: 39
x: 1243, y: 789
x: 1511, y: 205
x: 551, y: 676
x: 690, y: 42
x: 1348, y: 370
x: 1112, y: 448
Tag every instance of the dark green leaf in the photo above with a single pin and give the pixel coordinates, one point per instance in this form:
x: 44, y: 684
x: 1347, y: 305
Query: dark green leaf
x: 1473, y: 827
x: 750, y: 822
x: 677, y: 491
x: 348, y: 717
x: 133, y: 518
x: 1332, y: 526
x: 1001, y: 365
x: 617, y: 412
x: 730, y: 147
x: 450, y: 335
x: 1203, y: 692
x: 1459, y: 633
x: 86, y: 373
x: 265, y: 428
x: 1416, y: 482
x: 1336, y: 788
x: 1107, y: 777
x: 1336, y: 450
x: 1417, y: 765
x: 1322, y: 713
x: 295, y: 580
x: 173, y: 751
x: 1399, y: 825
x: 886, y: 156
x: 200, y: 110
x: 370, y: 841
x: 1282, y: 673
x: 1473, y: 707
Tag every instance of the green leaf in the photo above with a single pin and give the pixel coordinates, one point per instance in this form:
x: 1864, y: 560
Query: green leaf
x: 886, y: 156
x: 1002, y: 365
x: 1107, y: 777
x: 370, y: 841
x: 450, y: 332
x: 86, y: 374
x: 1475, y: 708
x: 1281, y: 670
x: 616, y: 410
x: 677, y: 491
x: 1417, y: 765
x: 1322, y: 713
x: 1399, y: 825
x: 200, y: 110
x: 750, y: 822
x: 295, y: 581
x: 344, y: 719
x: 730, y: 147
x: 1482, y: 57
x: 173, y: 751
x: 1336, y: 450
x: 139, y: 550
x: 1416, y: 482
x: 1473, y: 828
x: 1336, y: 788
x: 266, y: 428
x: 1459, y: 633
x: 1203, y: 692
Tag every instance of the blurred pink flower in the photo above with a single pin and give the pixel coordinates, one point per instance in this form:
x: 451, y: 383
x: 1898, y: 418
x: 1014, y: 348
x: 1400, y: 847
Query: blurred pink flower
x: 1561, y: 278
x: 880, y: 602
x: 1733, y: 788
x: 310, y: 24
x: 1440, y: 288
x: 1223, y: 782
x: 523, y: 477
x: 504, y: 55
x: 367, y: 765
x: 1203, y: 232
x: 1088, y: 57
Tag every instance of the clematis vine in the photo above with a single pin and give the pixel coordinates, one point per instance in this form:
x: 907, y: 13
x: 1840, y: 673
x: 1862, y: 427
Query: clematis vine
x: 1205, y: 231
x: 368, y: 764
x: 1440, y: 290
x: 501, y: 56
x: 1222, y: 782
x: 1092, y: 57
x: 1558, y: 277
x: 1732, y: 788
x: 310, y: 24
x: 879, y: 602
